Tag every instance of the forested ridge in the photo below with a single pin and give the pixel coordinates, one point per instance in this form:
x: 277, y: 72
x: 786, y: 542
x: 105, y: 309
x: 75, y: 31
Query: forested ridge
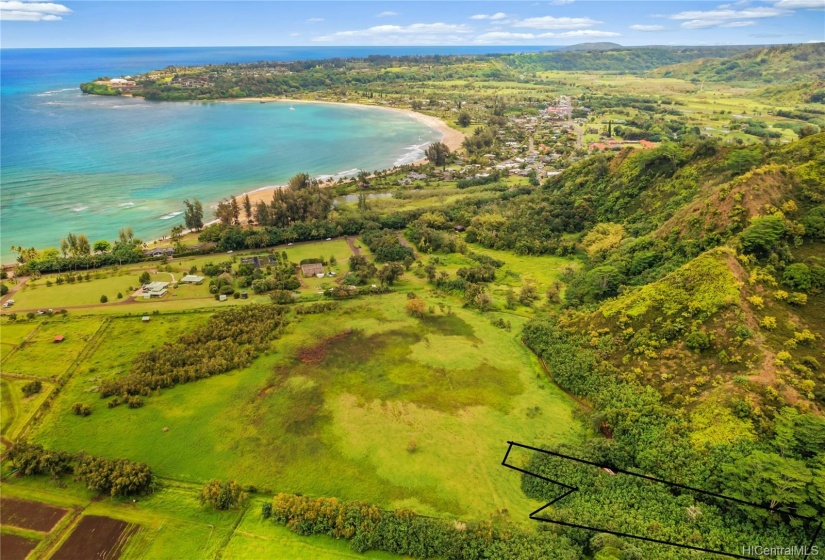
x: 387, y: 72
x: 695, y: 330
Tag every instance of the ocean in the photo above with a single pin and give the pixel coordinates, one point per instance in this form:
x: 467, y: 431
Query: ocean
x: 71, y: 162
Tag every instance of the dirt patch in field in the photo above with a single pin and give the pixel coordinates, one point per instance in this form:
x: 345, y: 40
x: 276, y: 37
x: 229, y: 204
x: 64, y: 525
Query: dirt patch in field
x: 317, y: 353
x: 33, y: 516
x: 15, y: 547
x: 98, y: 538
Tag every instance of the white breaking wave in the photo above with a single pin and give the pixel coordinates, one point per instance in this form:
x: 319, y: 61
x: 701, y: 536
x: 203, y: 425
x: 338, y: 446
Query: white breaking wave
x: 171, y: 215
x: 413, y: 154
x: 126, y: 205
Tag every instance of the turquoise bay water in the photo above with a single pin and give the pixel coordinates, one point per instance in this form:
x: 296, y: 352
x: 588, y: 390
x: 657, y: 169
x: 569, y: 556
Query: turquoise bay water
x: 79, y: 163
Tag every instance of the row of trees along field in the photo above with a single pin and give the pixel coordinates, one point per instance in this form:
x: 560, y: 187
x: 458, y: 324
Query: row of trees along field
x: 231, y: 339
x: 115, y: 477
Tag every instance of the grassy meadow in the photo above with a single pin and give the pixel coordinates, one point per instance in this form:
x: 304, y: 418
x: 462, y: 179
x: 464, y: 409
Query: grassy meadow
x: 408, y: 412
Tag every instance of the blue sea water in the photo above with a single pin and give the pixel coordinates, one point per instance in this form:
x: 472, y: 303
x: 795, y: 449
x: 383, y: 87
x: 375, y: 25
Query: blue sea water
x: 71, y: 162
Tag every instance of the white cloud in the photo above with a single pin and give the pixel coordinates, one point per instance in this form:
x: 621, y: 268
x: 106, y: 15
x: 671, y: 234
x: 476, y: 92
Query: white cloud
x: 498, y: 36
x: 702, y: 23
x: 32, y: 11
x: 701, y: 19
x: 801, y: 4
x: 561, y: 2
x: 294, y: 34
x: 550, y: 22
x: 504, y: 37
x: 647, y: 27
x: 496, y: 16
x: 587, y: 34
x: 387, y: 14
x: 414, y: 34
x: 315, y: 20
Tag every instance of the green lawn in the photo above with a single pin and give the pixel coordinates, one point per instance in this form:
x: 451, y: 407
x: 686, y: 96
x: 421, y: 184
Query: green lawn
x: 36, y: 295
x: 453, y: 388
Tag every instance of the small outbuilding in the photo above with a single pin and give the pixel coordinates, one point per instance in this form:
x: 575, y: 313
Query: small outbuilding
x: 312, y: 269
x: 59, y: 338
x: 145, y: 319
x: 254, y: 261
x: 192, y: 279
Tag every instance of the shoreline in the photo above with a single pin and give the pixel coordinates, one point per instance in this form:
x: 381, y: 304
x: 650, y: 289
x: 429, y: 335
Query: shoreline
x: 450, y: 136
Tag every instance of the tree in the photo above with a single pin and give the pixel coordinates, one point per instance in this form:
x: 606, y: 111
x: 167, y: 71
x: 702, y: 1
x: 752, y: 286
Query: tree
x: 807, y: 130
x: 32, y: 388
x: 797, y: 276
x: 610, y: 129
x: 126, y: 235
x: 762, y: 234
x: 102, y: 246
x: 117, y: 477
x: 104, y: 299
x: 464, y: 120
x: 769, y: 479
x: 222, y: 495
x: 83, y: 246
x: 3, y: 290
x: 144, y: 277
x: 437, y: 153
x: 416, y: 307
x: 529, y: 294
x: 247, y: 207
x: 175, y: 236
x: 193, y: 216
x: 741, y: 161
x: 363, y: 180
x: 225, y: 212
x: 81, y: 409
x: 389, y: 273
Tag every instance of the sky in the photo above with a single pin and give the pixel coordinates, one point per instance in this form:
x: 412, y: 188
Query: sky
x: 181, y: 23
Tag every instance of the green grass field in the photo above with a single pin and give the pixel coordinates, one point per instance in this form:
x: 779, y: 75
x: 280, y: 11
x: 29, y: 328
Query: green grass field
x: 41, y: 356
x: 456, y: 387
x: 12, y: 334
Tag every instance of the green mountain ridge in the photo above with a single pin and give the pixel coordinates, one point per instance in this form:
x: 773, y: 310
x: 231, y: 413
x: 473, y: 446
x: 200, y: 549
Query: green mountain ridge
x: 775, y: 64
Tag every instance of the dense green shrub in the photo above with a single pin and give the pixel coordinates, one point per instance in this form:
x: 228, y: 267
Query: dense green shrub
x: 32, y: 388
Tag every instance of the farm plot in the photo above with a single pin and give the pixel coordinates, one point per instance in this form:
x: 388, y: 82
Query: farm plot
x: 15, y: 547
x: 95, y: 537
x: 34, y: 516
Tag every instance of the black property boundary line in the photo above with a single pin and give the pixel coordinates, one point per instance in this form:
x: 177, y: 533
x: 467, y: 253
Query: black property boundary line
x: 570, y: 489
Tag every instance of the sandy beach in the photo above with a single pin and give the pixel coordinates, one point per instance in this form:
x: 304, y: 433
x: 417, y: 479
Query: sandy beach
x: 452, y: 137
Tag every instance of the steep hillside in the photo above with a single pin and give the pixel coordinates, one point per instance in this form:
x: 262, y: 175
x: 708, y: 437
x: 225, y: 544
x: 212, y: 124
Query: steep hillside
x: 780, y: 64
